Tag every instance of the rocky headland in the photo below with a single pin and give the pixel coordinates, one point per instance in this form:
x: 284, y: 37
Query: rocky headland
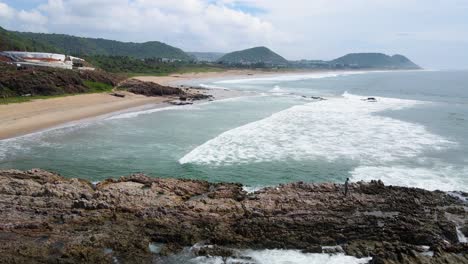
x: 153, y: 89
x: 47, y: 218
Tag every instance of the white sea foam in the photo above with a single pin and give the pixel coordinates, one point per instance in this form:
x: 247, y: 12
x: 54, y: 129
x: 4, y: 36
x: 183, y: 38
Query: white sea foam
x: 285, y: 256
x: 442, y: 177
x: 461, y: 237
x: 210, y: 86
x: 23, y: 143
x: 344, y: 128
x: 195, y: 106
x: 277, y: 90
x: 150, y: 111
x: 252, y: 189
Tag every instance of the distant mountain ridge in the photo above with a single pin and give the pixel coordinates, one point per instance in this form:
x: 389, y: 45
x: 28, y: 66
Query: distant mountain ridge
x: 253, y: 56
x: 375, y: 60
x: 206, y: 56
x: 80, y: 46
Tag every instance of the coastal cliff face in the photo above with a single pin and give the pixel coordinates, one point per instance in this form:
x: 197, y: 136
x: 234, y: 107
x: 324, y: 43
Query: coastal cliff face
x: 48, y: 218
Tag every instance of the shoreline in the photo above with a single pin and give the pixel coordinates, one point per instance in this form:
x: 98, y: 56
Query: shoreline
x: 43, y: 114
x: 20, y: 119
x: 178, y: 79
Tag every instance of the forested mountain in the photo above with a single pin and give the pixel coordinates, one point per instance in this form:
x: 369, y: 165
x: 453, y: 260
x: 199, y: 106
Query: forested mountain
x: 12, y: 41
x: 119, y: 56
x: 253, y: 56
x: 375, y: 60
x: 79, y: 46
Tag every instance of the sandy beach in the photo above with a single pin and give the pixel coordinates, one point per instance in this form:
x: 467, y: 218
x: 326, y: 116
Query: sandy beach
x: 24, y: 118
x: 186, y: 77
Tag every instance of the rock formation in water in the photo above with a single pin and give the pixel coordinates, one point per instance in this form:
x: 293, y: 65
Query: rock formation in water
x: 46, y: 218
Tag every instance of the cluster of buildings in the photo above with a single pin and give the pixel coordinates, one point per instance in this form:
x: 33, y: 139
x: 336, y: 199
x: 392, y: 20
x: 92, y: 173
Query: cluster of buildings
x: 25, y: 59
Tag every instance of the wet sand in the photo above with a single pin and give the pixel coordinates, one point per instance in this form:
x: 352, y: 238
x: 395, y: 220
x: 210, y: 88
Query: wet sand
x: 24, y: 118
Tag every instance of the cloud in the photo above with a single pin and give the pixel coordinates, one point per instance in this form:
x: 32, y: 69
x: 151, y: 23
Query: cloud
x: 6, y: 12
x: 22, y: 20
x: 311, y: 29
x: 189, y: 24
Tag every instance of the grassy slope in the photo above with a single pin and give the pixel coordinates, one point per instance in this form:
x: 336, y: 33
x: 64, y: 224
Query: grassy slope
x: 94, y: 87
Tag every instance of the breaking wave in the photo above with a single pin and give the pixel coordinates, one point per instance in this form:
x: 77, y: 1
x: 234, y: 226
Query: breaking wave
x: 442, y: 177
x: 338, y: 128
x: 345, y: 128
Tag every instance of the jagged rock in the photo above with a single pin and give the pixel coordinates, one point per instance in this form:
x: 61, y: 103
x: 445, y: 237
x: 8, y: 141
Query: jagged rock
x: 149, y: 88
x: 49, y: 218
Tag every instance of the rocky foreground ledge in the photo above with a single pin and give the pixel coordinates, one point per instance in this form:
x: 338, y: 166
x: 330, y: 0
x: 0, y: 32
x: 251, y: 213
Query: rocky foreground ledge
x: 46, y: 218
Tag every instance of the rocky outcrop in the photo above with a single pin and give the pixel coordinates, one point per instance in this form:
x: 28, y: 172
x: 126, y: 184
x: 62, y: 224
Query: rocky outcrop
x: 149, y: 88
x: 185, y: 97
x: 49, y: 218
x: 38, y: 81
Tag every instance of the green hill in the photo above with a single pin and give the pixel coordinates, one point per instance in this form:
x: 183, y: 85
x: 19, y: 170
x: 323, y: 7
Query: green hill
x: 12, y: 41
x: 253, y: 56
x: 79, y: 46
x: 375, y: 60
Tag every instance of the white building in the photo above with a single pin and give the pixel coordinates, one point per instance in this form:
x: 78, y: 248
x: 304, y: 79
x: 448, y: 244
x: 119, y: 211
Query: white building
x: 44, y: 59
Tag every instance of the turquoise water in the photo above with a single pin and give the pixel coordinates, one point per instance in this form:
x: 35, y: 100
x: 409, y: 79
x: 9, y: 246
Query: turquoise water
x: 414, y: 135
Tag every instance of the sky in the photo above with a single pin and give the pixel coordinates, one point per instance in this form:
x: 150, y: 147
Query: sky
x: 432, y: 33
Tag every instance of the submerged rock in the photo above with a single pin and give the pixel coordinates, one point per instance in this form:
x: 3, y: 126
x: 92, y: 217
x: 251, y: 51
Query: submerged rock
x: 49, y: 218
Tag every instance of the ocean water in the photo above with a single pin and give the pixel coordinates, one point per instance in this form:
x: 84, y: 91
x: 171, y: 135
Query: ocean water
x: 416, y: 134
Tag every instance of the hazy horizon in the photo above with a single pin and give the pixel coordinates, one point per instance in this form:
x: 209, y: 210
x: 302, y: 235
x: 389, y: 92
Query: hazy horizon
x: 430, y: 33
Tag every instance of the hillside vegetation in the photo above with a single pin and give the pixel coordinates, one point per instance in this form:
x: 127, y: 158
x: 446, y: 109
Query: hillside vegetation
x: 375, y: 60
x: 252, y: 56
x: 150, y: 66
x: 12, y: 41
x: 157, y: 58
x: 79, y: 46
x: 18, y: 85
